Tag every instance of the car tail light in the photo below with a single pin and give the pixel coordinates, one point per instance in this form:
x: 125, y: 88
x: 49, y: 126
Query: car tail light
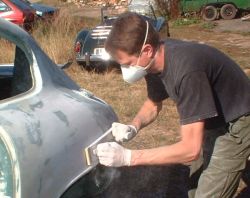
x: 78, y: 47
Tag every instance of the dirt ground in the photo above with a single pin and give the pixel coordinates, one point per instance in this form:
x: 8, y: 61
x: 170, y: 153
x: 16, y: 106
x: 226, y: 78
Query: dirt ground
x: 233, y: 38
x: 235, y: 25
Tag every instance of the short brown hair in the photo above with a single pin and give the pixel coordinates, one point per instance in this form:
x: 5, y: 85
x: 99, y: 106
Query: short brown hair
x: 128, y: 33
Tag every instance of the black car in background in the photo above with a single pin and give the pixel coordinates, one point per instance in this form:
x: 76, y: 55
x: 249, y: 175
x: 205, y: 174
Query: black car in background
x: 89, y: 43
x: 42, y: 11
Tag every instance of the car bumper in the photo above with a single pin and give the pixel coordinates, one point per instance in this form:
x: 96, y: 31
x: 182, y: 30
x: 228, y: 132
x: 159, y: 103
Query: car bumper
x: 87, y: 58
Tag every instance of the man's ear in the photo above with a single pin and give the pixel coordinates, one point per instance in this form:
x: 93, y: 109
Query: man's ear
x: 148, y: 50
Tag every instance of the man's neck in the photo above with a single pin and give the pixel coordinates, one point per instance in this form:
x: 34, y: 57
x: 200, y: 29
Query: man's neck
x: 158, y: 65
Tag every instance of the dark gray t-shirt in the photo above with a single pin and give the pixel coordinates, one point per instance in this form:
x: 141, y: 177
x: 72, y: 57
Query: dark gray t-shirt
x: 205, y: 84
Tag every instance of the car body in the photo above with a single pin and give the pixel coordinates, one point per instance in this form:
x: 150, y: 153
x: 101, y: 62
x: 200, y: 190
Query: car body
x: 43, y: 11
x: 46, y: 122
x: 89, y: 44
x: 18, y: 13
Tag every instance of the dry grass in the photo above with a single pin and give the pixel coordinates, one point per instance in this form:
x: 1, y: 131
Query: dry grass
x: 53, y: 2
x: 7, y: 50
x: 126, y: 100
x: 57, y: 37
x: 57, y: 40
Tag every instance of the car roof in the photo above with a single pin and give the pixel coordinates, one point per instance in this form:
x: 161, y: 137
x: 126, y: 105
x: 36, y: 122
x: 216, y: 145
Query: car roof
x: 22, y: 5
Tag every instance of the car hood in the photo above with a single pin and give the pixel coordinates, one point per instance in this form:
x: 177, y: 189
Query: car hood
x: 43, y: 8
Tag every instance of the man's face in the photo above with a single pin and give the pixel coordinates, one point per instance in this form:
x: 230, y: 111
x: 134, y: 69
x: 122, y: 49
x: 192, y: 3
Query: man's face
x: 127, y: 60
x: 144, y: 60
x: 133, y: 67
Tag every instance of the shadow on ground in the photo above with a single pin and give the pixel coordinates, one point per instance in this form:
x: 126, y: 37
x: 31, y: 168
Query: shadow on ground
x: 149, y: 182
x: 158, y: 182
x: 142, y: 182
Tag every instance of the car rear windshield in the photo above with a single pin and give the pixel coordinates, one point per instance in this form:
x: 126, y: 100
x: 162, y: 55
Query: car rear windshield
x: 21, y: 4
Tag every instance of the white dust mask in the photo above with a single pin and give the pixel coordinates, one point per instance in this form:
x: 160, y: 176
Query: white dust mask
x: 133, y: 73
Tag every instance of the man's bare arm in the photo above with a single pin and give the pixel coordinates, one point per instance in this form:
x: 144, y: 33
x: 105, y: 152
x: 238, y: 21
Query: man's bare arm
x: 147, y: 114
x: 188, y: 149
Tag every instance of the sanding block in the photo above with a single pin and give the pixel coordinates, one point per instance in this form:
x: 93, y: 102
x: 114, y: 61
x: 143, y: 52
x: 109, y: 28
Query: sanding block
x: 90, y: 151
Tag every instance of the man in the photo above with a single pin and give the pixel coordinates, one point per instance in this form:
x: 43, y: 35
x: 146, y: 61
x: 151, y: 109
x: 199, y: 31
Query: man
x: 212, y: 95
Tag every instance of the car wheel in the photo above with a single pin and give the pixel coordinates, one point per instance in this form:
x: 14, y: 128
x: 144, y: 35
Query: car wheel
x: 82, y: 64
x: 98, y: 66
x: 228, y: 11
x: 92, y: 184
x: 209, y: 13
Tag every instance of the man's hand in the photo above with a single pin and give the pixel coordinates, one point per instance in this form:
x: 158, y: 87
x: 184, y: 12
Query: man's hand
x: 113, y: 154
x: 123, y: 132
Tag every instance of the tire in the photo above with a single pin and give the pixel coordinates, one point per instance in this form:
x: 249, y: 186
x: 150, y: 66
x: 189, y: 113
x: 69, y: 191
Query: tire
x: 98, y: 67
x: 94, y: 66
x: 228, y: 11
x: 209, y: 13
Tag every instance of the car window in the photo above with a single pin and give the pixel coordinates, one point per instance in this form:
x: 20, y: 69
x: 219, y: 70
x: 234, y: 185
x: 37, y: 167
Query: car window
x: 15, y: 75
x: 4, y: 7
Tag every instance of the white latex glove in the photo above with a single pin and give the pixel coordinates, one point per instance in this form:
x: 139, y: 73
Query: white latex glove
x: 113, y: 154
x: 123, y: 132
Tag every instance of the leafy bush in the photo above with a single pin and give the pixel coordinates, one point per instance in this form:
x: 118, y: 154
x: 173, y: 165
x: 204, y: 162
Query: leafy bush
x: 163, y: 8
x: 208, y: 25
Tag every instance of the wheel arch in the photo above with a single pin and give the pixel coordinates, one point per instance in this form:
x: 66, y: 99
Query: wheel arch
x: 82, y: 35
x: 90, y: 183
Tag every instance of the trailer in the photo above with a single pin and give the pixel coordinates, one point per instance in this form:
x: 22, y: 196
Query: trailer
x: 214, y: 9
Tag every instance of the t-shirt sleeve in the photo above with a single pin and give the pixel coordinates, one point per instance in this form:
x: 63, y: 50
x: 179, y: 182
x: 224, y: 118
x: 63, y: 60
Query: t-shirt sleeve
x: 195, y: 98
x: 155, y: 88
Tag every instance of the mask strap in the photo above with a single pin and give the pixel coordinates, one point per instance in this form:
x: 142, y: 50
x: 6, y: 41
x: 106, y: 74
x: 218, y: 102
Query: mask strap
x: 146, y: 36
x: 144, y: 42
